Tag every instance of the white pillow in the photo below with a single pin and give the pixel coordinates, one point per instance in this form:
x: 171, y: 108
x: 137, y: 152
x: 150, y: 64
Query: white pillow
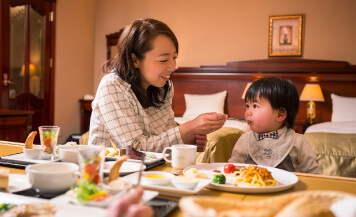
x: 197, y: 104
x: 343, y: 108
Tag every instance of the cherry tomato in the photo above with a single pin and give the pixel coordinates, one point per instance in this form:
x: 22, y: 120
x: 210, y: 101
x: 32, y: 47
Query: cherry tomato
x: 229, y: 168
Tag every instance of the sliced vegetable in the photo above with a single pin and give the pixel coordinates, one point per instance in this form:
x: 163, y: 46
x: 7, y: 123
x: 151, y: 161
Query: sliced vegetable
x: 219, y: 179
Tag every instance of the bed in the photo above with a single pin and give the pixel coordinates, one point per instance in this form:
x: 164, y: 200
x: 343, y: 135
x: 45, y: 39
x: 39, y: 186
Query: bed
x: 334, y: 77
x: 334, y: 142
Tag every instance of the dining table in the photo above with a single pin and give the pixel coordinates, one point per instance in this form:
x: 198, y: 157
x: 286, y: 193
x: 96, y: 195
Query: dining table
x: 306, y: 182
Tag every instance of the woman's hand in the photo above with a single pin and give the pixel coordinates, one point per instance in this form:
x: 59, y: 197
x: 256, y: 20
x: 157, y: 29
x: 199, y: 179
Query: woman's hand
x: 127, y: 206
x: 203, y: 124
x: 199, y: 140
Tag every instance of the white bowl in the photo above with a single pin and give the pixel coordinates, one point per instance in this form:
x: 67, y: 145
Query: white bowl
x: 52, y: 178
x: 182, y: 182
x: 34, y: 153
x: 69, y: 153
x: 156, y: 178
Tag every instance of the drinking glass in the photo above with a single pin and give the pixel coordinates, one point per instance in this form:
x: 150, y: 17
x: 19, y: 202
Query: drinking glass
x: 49, y: 136
x: 91, y: 163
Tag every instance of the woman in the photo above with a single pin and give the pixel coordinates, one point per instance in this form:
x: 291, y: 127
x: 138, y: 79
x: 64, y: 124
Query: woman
x: 133, y: 103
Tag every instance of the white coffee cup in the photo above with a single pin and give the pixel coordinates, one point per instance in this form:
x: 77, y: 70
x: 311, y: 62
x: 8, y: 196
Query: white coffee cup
x: 182, y: 155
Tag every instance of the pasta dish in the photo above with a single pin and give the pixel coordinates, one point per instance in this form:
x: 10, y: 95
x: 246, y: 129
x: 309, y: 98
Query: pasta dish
x: 255, y: 176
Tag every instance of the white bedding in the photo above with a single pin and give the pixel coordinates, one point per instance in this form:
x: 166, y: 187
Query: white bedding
x: 234, y: 123
x: 346, y: 127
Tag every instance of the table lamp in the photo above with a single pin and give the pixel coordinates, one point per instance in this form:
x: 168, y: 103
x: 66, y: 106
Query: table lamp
x: 311, y: 93
x: 32, y: 68
x: 247, y: 86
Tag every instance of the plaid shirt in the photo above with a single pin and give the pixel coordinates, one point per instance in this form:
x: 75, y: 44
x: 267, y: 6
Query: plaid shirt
x: 118, y: 114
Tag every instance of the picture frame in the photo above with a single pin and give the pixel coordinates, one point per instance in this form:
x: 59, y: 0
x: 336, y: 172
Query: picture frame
x: 286, y: 35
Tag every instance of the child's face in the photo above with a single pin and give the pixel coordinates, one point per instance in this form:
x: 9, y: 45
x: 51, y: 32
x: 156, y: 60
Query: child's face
x: 261, y: 117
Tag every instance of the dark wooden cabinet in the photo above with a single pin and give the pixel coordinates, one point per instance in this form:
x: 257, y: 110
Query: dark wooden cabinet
x: 85, y: 113
x: 15, y: 125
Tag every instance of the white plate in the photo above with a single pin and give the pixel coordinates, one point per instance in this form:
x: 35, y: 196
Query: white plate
x: 63, y: 210
x: 148, y: 160
x: 126, y: 167
x: 18, y: 182
x: 21, y: 158
x: 65, y: 200
x: 284, y: 178
x: 169, y: 189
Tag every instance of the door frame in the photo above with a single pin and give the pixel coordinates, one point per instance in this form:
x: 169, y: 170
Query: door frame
x: 48, y: 54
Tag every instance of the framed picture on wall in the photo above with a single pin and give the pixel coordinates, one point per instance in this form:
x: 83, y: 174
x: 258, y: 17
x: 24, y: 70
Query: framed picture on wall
x: 285, y: 35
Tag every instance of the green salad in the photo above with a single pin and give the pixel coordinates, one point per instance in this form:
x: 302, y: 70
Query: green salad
x: 5, y: 207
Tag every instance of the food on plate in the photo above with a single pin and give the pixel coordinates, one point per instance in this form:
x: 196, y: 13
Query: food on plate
x: 185, y: 182
x: 117, y: 184
x: 256, y: 176
x: 229, y: 168
x: 49, y: 139
x: 219, y: 179
x: 4, y: 178
x: 5, y: 207
x: 115, y: 153
x: 29, y: 139
x: 70, y: 144
x: 194, y: 173
x: 151, y: 156
x: 115, y: 169
x: 135, y: 154
x: 156, y: 178
x: 89, y: 191
x: 33, y: 209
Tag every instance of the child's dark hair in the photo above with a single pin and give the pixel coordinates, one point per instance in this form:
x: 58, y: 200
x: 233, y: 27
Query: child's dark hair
x: 281, y: 93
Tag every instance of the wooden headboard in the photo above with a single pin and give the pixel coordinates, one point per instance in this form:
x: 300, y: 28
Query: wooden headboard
x: 336, y: 77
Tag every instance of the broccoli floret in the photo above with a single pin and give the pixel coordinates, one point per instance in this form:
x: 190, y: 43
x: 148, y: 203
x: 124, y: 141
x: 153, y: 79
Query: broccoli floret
x: 219, y: 179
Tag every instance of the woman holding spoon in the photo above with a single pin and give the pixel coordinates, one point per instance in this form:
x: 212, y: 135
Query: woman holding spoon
x: 133, y: 103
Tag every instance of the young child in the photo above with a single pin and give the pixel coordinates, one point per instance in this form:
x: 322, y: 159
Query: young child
x: 271, y: 108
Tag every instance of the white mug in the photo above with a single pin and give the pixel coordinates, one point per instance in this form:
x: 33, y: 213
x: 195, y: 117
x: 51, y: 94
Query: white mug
x: 182, y: 155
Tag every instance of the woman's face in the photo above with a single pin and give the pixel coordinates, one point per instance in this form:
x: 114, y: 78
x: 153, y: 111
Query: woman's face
x: 261, y: 117
x: 159, y: 63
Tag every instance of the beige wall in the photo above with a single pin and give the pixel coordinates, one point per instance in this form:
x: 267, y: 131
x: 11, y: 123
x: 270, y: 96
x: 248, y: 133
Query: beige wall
x: 210, y: 32
x: 74, y: 62
x: 215, y: 32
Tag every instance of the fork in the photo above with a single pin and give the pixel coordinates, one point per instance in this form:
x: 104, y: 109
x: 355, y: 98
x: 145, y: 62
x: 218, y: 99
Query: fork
x: 140, y: 172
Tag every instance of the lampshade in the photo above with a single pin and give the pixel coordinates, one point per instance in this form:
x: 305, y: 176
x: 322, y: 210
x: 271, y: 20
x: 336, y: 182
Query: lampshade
x: 247, y: 86
x: 312, y: 92
x: 32, y: 68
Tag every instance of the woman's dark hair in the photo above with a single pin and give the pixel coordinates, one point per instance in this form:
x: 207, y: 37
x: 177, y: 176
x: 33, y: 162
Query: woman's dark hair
x: 281, y: 93
x: 137, y: 39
